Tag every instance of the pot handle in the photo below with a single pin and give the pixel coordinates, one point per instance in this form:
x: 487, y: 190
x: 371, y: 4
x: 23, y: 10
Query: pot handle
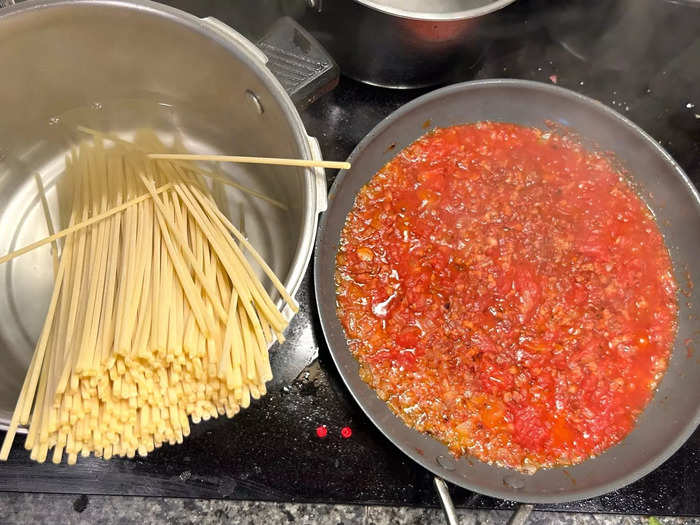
x: 319, y: 176
x: 303, y: 67
x: 306, y: 71
x: 300, y: 63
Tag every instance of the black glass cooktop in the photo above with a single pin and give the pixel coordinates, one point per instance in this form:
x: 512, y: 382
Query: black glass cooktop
x: 271, y: 451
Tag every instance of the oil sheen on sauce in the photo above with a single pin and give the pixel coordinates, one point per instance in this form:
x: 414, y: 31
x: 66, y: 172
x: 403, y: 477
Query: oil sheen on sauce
x: 506, y: 291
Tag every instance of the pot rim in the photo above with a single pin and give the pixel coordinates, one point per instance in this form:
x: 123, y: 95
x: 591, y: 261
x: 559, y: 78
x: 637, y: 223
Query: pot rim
x: 447, y: 16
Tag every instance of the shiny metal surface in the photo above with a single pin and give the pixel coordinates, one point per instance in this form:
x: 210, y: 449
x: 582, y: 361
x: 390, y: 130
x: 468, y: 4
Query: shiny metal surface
x: 402, y: 44
x: 436, y: 9
x: 674, y: 412
x: 446, y: 501
x: 119, y: 65
x: 521, y: 515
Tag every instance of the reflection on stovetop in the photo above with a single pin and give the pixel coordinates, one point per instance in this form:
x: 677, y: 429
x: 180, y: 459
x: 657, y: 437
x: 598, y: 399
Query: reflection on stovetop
x: 271, y: 451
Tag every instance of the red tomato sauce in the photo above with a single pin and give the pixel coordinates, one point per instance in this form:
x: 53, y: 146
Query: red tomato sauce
x: 506, y: 291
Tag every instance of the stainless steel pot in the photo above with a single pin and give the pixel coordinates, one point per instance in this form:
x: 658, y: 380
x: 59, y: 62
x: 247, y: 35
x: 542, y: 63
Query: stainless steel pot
x: 402, y: 43
x: 125, y: 64
x: 672, y: 415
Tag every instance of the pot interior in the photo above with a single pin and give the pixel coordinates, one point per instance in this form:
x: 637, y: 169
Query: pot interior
x: 118, y: 67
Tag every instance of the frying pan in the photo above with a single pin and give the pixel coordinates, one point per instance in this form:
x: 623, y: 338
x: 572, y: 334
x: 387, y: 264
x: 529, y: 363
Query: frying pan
x: 674, y: 412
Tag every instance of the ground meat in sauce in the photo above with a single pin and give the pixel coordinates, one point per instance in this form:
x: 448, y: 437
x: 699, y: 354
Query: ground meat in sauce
x: 506, y: 291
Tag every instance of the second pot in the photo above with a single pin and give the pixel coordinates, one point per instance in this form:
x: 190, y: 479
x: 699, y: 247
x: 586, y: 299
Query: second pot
x: 402, y: 44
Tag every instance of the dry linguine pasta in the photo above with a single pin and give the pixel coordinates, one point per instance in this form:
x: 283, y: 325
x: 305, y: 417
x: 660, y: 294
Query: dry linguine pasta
x: 157, y: 316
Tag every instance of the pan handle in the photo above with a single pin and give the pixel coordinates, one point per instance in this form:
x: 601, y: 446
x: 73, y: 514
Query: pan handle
x: 446, y: 501
x: 521, y: 515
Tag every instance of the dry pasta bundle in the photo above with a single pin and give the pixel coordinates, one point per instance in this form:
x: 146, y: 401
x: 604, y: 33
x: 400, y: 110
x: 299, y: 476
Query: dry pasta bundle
x: 157, y: 316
